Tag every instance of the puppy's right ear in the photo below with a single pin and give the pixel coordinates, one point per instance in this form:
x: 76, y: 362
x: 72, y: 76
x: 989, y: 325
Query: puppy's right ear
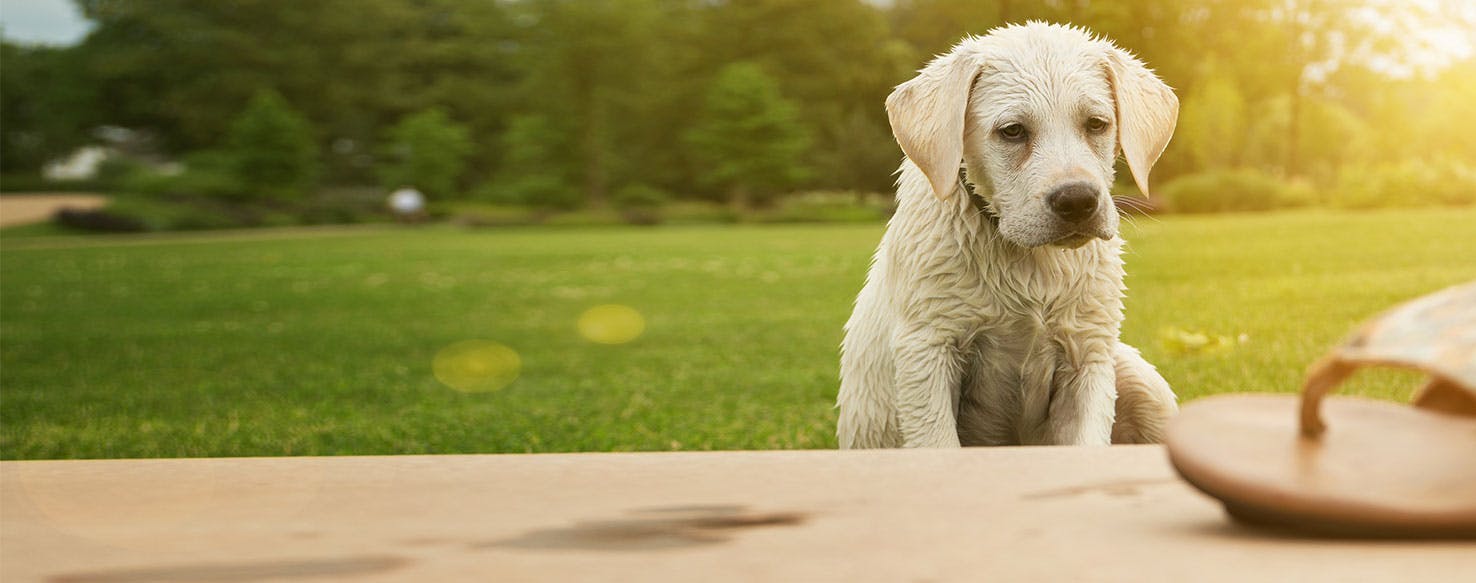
x: 927, y: 117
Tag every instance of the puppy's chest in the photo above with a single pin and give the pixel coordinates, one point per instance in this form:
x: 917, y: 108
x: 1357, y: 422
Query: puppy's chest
x: 1009, y: 339
x: 1015, y: 334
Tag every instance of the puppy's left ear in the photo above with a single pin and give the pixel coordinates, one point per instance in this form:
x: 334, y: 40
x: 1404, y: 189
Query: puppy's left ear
x: 1147, y: 111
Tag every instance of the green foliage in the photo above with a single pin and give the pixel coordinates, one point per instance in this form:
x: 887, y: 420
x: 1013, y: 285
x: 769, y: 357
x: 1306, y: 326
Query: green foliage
x: 532, y: 172
x: 598, y: 94
x: 1332, y: 137
x: 321, y: 342
x: 155, y: 214
x: 640, y: 204
x: 749, y: 138
x: 29, y: 182
x: 853, y: 44
x: 272, y: 150
x: 1411, y: 182
x: 831, y: 207
x: 535, y: 190
x: 206, y: 175
x: 427, y: 150
x: 159, y: 203
x: 1230, y: 191
x: 115, y: 169
x: 48, y: 104
x: 640, y: 196
x: 1212, y: 123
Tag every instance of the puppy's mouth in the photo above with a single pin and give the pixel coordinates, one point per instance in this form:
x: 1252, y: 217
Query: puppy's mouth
x: 1030, y: 235
x: 1072, y: 241
x: 1077, y: 238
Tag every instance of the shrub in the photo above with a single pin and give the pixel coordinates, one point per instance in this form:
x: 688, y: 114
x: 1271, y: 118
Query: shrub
x: 1408, y: 183
x: 749, y: 136
x: 700, y: 212
x: 1228, y: 191
x: 543, y: 191
x: 98, y: 220
x: 640, y: 204
x: 115, y: 169
x: 483, y: 214
x: 210, y: 179
x: 37, y: 183
x: 343, y: 205
x: 272, y: 151
x: 831, y: 207
x: 427, y: 150
x: 149, y: 214
x: 640, y: 196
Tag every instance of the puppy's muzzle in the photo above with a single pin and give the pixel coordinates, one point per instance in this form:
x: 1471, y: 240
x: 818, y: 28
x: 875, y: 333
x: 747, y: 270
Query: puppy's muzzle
x: 1074, y: 203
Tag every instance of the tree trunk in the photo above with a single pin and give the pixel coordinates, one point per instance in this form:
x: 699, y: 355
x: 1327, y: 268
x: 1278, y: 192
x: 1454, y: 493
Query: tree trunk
x: 595, y: 171
x: 1294, y: 133
x: 739, y: 199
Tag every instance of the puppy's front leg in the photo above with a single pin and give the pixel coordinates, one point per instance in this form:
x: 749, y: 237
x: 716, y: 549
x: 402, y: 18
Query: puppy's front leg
x: 1082, y: 408
x: 928, y: 378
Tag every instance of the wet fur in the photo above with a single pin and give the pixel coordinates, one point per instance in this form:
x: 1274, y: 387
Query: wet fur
x: 974, y: 330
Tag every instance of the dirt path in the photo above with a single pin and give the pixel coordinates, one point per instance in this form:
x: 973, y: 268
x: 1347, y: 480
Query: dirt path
x: 24, y: 208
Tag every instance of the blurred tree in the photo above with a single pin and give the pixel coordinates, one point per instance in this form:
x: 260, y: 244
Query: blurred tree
x: 47, y: 101
x: 1212, y: 123
x: 183, y: 68
x: 272, y: 149
x: 607, y: 90
x: 597, y: 65
x: 1439, y: 134
x: 838, y: 60
x: 749, y: 137
x: 532, y: 171
x: 931, y: 27
x: 426, y: 150
x: 1331, y: 136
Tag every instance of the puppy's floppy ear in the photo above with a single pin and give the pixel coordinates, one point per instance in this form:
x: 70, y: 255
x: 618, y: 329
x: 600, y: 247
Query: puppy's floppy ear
x: 927, y: 117
x: 1147, y: 112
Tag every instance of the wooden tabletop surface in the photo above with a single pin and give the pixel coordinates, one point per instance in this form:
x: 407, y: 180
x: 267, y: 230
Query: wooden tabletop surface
x: 1003, y: 514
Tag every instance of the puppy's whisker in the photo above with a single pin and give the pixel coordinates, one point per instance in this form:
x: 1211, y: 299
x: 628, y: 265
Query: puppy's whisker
x: 1127, y: 203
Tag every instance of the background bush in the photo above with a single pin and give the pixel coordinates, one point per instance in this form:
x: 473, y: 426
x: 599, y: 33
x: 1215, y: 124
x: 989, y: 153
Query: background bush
x: 32, y: 182
x: 427, y: 151
x: 1440, y: 182
x: 641, y: 204
x: 1230, y: 191
x: 543, y: 191
x: 832, y: 207
x: 272, y: 150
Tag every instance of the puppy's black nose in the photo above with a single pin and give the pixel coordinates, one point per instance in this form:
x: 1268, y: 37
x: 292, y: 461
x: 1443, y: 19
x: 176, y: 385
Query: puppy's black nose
x: 1074, y: 203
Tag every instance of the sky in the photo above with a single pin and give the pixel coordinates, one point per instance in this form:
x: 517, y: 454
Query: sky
x: 52, y: 22
x: 57, y: 22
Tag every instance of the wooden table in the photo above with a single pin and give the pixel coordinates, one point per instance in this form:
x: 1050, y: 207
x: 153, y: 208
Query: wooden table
x: 1005, y: 514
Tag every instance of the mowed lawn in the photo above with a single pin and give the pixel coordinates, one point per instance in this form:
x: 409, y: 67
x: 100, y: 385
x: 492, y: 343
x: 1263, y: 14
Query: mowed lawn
x: 322, y: 342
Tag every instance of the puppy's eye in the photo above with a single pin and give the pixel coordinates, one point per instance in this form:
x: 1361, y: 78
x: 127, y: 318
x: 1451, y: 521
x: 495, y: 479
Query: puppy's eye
x: 1096, y: 125
x: 1012, y: 133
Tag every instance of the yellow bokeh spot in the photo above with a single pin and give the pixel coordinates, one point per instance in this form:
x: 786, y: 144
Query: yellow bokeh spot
x: 611, y: 324
x: 477, y: 366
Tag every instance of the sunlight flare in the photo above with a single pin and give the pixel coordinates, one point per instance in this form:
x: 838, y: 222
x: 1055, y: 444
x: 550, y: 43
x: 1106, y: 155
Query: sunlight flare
x: 611, y: 324
x: 475, y: 366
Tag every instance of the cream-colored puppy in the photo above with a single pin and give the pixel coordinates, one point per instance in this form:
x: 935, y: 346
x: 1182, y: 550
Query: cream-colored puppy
x: 991, y: 312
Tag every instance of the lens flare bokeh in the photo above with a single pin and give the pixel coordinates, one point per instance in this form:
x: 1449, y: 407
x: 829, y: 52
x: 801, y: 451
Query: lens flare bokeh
x: 611, y: 324
x: 475, y: 366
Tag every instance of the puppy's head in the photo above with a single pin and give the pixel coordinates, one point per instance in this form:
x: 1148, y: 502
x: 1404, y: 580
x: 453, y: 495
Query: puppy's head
x: 1037, y: 114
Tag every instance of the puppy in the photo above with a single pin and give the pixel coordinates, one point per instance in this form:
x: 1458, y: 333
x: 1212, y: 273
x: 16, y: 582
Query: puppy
x: 991, y: 312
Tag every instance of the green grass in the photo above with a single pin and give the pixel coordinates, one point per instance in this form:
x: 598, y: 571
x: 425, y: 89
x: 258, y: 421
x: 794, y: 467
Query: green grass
x: 321, y: 341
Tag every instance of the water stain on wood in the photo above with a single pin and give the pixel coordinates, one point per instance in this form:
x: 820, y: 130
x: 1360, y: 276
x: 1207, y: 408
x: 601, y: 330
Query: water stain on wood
x: 655, y: 528
x: 1119, y: 488
x: 241, y: 572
